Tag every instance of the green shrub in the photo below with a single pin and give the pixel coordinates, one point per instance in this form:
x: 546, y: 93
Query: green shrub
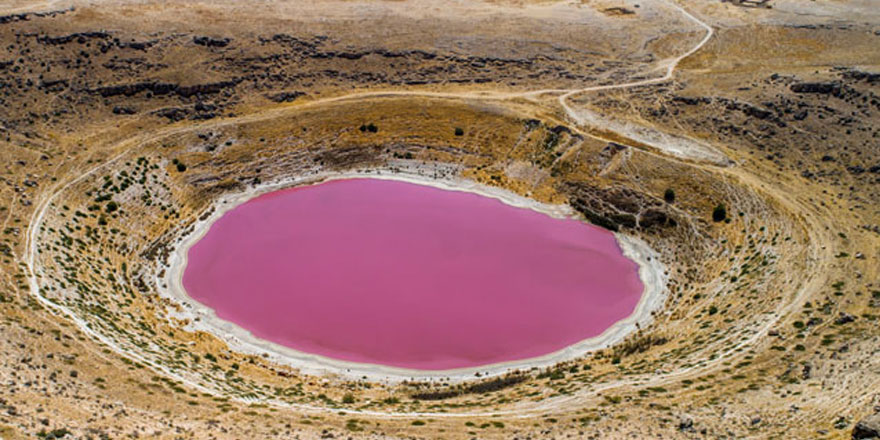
x: 669, y: 195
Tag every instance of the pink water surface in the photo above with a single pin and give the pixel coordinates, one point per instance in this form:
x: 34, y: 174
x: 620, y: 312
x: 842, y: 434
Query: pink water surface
x: 406, y: 275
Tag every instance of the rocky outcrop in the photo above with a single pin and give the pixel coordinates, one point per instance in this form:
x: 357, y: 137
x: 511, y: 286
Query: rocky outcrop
x: 134, y: 89
x: 348, y: 157
x: 356, y: 55
x: 160, y: 88
x: 618, y: 207
x: 198, y: 112
x: 11, y: 18
x: 136, y: 45
x: 867, y: 428
x: 79, y: 37
x: 285, y: 96
x: 858, y: 75
x: 173, y: 114
x: 292, y: 42
x: 204, y: 89
x: 122, y: 110
x: 816, y: 87
x: 750, y: 110
x: 692, y: 100
x: 53, y: 85
x: 211, y: 42
x: 617, y: 10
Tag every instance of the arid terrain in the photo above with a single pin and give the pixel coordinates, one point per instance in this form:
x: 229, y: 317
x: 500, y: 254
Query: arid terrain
x: 739, y: 139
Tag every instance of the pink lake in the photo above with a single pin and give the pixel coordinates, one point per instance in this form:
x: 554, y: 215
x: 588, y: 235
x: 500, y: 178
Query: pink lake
x: 405, y: 275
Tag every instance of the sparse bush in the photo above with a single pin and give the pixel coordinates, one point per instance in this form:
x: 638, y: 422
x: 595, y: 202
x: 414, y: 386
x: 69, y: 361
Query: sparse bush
x: 638, y: 345
x: 348, y: 398
x: 486, y: 386
x: 551, y: 141
x: 719, y: 213
x: 352, y: 425
x: 54, y: 434
x: 613, y: 399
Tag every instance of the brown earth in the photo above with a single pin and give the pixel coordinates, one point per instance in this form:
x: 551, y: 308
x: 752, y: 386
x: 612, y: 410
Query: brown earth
x: 122, y: 121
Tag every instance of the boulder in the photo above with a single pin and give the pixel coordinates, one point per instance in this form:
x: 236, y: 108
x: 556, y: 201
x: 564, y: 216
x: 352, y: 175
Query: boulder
x: 816, y: 87
x: 686, y: 424
x: 211, y: 42
x: 286, y: 96
x: 844, y: 318
x: 867, y: 428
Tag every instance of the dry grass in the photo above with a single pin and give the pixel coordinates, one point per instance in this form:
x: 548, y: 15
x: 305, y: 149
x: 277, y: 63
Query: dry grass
x: 752, y: 344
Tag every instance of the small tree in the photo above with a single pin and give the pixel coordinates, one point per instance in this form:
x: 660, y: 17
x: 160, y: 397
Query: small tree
x: 669, y: 195
x: 459, y: 131
x: 719, y: 213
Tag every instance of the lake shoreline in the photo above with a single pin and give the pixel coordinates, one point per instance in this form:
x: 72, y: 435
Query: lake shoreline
x: 202, y: 318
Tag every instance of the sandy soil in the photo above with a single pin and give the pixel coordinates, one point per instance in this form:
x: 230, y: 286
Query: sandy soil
x: 766, y: 325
